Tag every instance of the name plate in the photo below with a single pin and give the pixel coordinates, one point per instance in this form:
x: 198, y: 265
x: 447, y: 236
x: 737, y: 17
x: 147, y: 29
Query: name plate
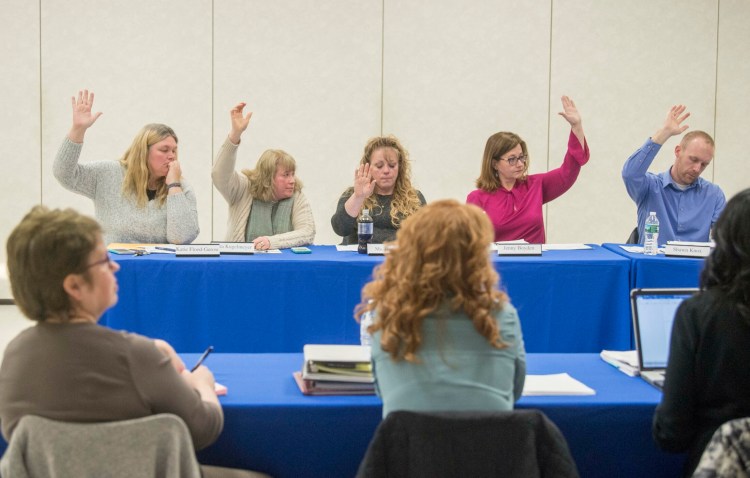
x: 519, y: 249
x: 236, y: 247
x: 197, y: 250
x: 686, y: 251
x: 375, y: 249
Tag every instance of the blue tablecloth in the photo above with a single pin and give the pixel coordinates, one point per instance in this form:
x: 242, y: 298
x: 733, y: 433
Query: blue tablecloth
x: 270, y: 426
x: 660, y: 271
x: 568, y: 301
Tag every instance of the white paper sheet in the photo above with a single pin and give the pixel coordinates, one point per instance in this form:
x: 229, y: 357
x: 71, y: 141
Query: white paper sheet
x: 555, y: 384
x: 565, y: 247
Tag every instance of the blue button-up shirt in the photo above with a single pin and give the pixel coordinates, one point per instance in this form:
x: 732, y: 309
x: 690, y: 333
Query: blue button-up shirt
x: 684, y: 215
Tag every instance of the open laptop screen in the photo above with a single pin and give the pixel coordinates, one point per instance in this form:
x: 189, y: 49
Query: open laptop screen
x: 653, y: 314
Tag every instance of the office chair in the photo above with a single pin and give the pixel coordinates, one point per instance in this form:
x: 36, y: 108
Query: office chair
x: 521, y: 443
x: 727, y: 455
x: 633, y: 238
x: 153, y: 446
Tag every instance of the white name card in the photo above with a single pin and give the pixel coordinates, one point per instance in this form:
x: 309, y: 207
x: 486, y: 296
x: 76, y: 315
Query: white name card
x: 196, y: 250
x: 686, y: 251
x: 375, y: 249
x: 236, y: 247
x: 519, y: 249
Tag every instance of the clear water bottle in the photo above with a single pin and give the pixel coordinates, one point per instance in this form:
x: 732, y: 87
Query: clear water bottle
x: 364, y: 231
x: 365, y: 321
x: 651, y: 235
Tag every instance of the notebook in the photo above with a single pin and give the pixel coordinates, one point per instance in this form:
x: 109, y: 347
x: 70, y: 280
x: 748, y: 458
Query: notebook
x: 653, y: 314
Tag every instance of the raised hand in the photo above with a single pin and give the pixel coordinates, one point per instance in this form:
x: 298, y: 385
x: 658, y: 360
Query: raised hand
x: 239, y: 122
x: 572, y: 116
x: 672, y: 124
x: 570, y: 112
x: 83, y: 118
x: 364, y: 184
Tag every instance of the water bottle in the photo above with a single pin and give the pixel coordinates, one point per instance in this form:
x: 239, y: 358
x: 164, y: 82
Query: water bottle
x: 364, y: 231
x: 365, y: 321
x: 651, y: 235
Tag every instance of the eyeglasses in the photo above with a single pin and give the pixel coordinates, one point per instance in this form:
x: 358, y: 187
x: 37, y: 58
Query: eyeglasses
x: 513, y: 160
x: 107, y: 261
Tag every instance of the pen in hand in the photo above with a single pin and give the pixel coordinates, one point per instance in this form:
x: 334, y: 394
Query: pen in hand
x: 209, y: 349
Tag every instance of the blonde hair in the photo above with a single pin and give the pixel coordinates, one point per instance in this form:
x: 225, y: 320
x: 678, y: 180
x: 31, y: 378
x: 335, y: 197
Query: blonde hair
x: 442, y: 257
x: 261, y: 178
x: 497, y: 145
x: 405, y: 200
x: 135, y: 162
x: 43, y: 249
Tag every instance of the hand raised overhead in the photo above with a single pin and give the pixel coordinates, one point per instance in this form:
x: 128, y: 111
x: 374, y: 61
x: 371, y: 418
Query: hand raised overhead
x: 239, y: 122
x: 83, y: 118
x: 673, y: 123
x: 570, y: 112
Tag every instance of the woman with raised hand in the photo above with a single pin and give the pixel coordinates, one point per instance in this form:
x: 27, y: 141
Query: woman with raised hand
x: 142, y: 198
x: 511, y: 197
x: 382, y: 184
x: 444, y: 337
x: 266, y: 204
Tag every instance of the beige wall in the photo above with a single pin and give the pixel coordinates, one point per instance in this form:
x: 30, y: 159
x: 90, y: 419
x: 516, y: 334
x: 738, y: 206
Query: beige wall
x: 322, y: 76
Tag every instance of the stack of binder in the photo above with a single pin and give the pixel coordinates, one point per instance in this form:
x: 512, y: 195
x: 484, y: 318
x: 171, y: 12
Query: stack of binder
x: 336, y: 370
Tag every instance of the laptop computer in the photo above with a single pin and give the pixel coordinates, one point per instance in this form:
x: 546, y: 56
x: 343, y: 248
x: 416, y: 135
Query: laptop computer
x: 653, y: 314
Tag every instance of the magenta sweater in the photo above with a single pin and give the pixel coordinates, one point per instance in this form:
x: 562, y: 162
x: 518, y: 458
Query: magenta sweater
x: 517, y: 214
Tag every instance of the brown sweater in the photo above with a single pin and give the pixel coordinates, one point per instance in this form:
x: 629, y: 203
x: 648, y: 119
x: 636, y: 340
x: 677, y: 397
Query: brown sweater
x: 89, y: 373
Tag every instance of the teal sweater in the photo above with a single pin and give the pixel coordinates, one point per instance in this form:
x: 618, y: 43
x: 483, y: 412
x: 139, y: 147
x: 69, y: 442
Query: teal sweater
x: 458, y: 370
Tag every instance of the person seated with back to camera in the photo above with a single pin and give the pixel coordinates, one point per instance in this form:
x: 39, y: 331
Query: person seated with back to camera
x: 266, y: 204
x: 382, y: 184
x: 68, y: 367
x: 444, y: 337
x: 707, y: 382
x: 140, y: 199
x: 511, y: 197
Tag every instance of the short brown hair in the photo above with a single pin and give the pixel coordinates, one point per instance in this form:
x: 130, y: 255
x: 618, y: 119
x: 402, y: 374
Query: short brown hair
x: 696, y: 134
x: 43, y: 249
x: 497, y: 145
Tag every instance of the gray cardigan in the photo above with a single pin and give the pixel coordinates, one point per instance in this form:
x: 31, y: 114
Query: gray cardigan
x: 175, y: 222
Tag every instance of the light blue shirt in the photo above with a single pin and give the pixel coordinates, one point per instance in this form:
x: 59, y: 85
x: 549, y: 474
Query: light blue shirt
x: 684, y: 215
x: 458, y: 370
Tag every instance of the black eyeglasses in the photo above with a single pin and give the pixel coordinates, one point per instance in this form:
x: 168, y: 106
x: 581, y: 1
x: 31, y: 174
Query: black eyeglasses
x: 513, y: 160
x: 107, y: 261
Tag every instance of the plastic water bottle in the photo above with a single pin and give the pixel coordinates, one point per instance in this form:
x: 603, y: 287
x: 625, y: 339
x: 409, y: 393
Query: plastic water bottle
x: 364, y: 323
x: 651, y: 235
x: 364, y: 231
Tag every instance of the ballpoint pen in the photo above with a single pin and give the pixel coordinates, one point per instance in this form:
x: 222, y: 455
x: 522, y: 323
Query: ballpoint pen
x: 209, y: 349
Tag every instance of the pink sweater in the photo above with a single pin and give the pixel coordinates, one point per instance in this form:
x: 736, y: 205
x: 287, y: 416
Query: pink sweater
x: 517, y: 214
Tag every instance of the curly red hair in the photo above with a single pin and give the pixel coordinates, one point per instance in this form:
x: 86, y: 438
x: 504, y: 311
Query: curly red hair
x: 441, y: 256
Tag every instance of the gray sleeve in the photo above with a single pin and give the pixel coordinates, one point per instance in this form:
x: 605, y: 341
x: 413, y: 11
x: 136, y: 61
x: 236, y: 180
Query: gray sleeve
x: 79, y: 178
x: 182, y: 216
